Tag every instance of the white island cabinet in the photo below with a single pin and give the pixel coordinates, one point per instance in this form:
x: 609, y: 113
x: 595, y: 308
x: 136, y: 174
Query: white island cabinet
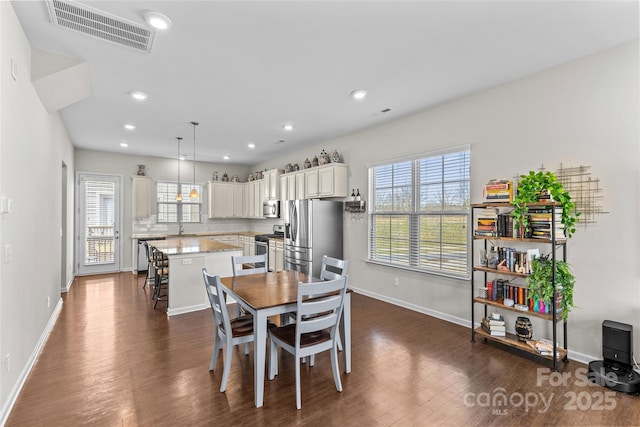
x: 187, y: 257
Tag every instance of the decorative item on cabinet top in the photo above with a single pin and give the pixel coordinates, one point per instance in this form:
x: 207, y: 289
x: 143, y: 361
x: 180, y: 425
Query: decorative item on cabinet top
x: 141, y: 170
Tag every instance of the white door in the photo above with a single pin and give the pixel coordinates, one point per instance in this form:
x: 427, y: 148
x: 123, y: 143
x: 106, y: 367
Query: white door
x: 98, y: 224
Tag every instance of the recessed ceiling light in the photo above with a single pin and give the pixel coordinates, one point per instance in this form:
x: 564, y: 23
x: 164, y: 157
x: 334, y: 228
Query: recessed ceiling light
x: 288, y: 127
x: 226, y: 157
x: 359, y: 94
x: 157, y: 20
x: 140, y: 96
x: 251, y: 145
x: 129, y: 126
x: 124, y: 144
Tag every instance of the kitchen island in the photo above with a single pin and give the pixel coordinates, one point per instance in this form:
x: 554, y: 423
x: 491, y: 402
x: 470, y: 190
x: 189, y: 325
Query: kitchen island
x: 187, y: 257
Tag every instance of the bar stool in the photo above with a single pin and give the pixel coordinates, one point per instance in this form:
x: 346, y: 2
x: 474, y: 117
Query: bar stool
x: 161, y: 279
x: 150, y: 269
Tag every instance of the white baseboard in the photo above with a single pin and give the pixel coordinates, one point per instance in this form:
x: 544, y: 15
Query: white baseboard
x: 572, y: 355
x: 17, y: 387
x: 183, y: 310
x: 68, y: 285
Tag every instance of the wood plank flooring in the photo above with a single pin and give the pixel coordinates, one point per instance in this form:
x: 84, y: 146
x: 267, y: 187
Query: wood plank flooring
x: 112, y: 360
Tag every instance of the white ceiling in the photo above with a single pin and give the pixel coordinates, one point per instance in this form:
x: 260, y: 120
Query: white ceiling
x: 243, y: 69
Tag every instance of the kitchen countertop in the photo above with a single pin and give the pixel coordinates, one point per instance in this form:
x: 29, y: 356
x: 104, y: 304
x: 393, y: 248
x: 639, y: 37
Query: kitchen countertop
x: 191, y: 245
x: 199, y: 234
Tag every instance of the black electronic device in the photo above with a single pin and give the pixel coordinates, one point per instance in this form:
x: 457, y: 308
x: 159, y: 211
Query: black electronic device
x: 617, y: 343
x: 616, y: 370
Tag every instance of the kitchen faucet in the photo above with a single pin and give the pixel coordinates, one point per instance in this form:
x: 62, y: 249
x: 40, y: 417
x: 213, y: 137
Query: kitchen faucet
x: 180, y: 229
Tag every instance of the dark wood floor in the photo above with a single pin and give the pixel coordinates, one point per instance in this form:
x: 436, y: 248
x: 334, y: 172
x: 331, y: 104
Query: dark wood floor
x: 112, y: 360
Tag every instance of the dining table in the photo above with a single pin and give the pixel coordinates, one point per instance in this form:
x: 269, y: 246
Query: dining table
x: 271, y: 294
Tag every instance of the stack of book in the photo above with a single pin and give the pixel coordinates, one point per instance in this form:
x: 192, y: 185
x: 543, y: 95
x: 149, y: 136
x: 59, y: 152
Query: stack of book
x: 541, y: 222
x: 486, y: 222
x: 495, y: 327
x: 498, y: 190
x: 542, y: 347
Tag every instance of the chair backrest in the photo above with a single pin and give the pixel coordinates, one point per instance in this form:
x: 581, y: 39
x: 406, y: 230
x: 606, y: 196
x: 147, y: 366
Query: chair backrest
x: 217, y: 300
x: 332, y: 268
x: 319, y: 306
x: 239, y: 262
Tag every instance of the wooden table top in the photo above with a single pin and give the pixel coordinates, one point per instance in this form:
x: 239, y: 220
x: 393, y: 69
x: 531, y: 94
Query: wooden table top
x: 191, y: 245
x: 266, y: 290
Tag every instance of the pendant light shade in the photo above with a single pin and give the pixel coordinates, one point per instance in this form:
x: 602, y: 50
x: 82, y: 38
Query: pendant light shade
x: 194, y: 193
x: 179, y: 194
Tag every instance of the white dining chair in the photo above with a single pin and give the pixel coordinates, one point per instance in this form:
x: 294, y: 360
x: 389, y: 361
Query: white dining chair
x: 331, y: 269
x: 229, y: 332
x: 318, y: 310
x: 241, y: 264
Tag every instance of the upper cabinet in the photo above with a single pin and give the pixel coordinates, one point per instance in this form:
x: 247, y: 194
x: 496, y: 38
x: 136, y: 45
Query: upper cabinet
x: 322, y: 181
x: 271, y: 185
x: 141, y: 196
x: 226, y: 200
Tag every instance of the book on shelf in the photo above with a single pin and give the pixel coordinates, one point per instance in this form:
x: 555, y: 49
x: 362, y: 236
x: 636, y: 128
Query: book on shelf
x: 498, y: 191
x: 493, y: 332
x: 543, y: 347
x: 486, y: 222
x: 493, y: 327
x: 494, y: 320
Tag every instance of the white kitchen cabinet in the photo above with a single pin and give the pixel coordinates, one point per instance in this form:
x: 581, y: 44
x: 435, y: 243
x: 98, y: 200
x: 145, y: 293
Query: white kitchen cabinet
x: 276, y: 255
x: 238, y: 199
x: 284, y: 189
x: 141, y: 196
x: 272, y: 255
x: 332, y: 180
x: 321, y: 181
x: 279, y: 255
x: 299, y: 186
x: 271, y: 182
x: 225, y: 200
x: 257, y: 191
x: 252, y: 245
x: 311, y: 183
x: 220, y: 200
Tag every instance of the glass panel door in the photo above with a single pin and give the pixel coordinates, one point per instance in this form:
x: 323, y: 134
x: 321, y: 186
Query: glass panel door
x: 99, y: 201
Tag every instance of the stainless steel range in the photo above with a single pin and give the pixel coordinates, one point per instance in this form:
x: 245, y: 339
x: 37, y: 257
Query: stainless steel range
x: 262, y: 241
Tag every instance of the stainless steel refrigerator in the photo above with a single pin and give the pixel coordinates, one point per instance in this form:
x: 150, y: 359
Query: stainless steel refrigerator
x: 313, y: 228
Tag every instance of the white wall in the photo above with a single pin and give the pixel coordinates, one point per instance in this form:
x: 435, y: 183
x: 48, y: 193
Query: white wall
x: 33, y: 145
x: 581, y: 113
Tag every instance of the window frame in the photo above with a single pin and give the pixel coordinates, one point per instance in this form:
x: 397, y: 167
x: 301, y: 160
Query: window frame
x: 185, y: 188
x: 451, y: 256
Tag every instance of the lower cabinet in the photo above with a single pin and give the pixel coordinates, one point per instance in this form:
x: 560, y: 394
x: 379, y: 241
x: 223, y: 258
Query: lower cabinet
x: 276, y: 255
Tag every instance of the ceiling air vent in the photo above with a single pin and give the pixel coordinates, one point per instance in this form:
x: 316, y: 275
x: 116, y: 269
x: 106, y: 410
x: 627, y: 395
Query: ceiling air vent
x: 99, y: 24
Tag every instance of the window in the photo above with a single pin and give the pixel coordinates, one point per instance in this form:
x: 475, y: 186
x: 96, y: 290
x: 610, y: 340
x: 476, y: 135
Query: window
x: 170, y: 210
x: 419, y: 213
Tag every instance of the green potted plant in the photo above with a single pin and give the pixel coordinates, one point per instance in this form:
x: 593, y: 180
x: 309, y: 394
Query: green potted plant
x: 538, y: 186
x: 540, y: 283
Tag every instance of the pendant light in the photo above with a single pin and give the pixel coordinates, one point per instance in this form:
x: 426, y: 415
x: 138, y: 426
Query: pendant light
x: 179, y: 194
x: 194, y: 193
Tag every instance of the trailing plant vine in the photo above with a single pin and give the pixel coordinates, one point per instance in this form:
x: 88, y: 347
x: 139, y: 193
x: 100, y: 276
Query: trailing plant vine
x: 531, y: 188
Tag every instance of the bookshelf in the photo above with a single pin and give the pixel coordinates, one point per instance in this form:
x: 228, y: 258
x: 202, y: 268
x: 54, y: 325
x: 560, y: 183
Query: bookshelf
x: 514, y: 278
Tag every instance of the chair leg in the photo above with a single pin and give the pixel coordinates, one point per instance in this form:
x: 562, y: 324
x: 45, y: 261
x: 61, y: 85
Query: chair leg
x: 273, y: 360
x: 339, y: 340
x: 216, y: 350
x: 227, y: 366
x: 336, y: 368
x: 298, y: 397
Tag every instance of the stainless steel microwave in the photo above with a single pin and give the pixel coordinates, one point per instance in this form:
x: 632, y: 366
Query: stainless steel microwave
x: 271, y: 209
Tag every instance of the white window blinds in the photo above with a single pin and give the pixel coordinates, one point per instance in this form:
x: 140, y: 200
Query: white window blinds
x: 419, y: 213
x: 170, y: 210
